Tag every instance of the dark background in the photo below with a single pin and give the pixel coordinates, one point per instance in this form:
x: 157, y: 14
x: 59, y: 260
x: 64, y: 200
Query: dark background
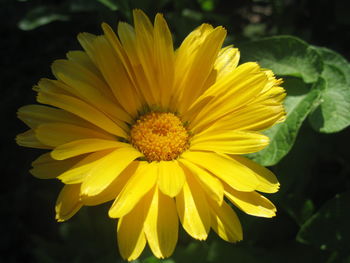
x: 316, y: 170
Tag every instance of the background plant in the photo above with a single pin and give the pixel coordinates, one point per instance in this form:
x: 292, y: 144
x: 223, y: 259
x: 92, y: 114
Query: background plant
x: 300, y: 41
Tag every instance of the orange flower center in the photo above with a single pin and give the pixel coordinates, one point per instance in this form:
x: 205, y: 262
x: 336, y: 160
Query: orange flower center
x: 160, y: 136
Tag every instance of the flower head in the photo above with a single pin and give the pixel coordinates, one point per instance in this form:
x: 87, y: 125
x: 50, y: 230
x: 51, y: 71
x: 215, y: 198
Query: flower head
x: 160, y: 132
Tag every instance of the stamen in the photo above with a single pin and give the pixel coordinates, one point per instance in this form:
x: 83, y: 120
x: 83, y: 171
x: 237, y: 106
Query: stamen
x: 160, y: 136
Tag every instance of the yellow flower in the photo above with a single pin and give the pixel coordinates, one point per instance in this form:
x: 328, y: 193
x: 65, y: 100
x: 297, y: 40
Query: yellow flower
x: 158, y: 131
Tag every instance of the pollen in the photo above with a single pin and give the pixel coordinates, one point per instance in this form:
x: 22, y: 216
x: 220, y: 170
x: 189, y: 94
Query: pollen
x: 160, y: 136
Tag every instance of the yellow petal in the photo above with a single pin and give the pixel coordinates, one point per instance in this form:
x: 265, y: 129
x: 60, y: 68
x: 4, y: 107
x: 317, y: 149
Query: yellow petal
x: 232, y: 142
x: 141, y: 182
x: 268, y: 182
x: 114, y: 189
x: 107, y: 170
x: 77, y: 173
x: 68, y: 203
x: 29, y: 139
x: 116, y: 76
x: 55, y: 134
x: 131, y: 238
x: 193, y: 210
x: 72, y: 72
x: 237, y: 82
x: 119, y: 49
x: 90, y: 63
x: 202, y: 62
x: 230, y: 171
x: 79, y: 108
x: 34, y: 115
x: 161, y: 225
x: 88, y: 87
x: 86, y: 40
x: 226, y: 61
x: 251, y: 203
x: 83, y: 146
x: 231, y: 92
x: 171, y: 177
x: 145, y: 53
x: 259, y: 114
x: 110, y: 107
x: 260, y: 118
x: 45, y: 167
x: 225, y: 222
x: 185, y: 54
x: 81, y: 58
x: 274, y: 96
x: 127, y: 37
x: 164, y: 58
x: 254, y: 117
x: 211, y: 185
x: 273, y: 82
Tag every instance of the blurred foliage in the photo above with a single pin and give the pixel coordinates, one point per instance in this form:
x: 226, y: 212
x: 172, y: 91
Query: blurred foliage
x: 309, y: 152
x: 322, y: 91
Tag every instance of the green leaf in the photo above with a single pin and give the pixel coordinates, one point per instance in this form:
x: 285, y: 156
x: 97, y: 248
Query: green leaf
x: 207, y: 5
x: 77, y: 6
x: 111, y: 4
x: 193, y: 252
x: 153, y: 259
x: 254, y: 31
x: 297, y: 207
x: 329, y: 229
x: 333, y: 114
x: 244, y: 252
x: 220, y: 252
x: 192, y: 14
x: 299, y: 103
x: 285, y: 56
x: 331, y: 57
x: 40, y: 16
